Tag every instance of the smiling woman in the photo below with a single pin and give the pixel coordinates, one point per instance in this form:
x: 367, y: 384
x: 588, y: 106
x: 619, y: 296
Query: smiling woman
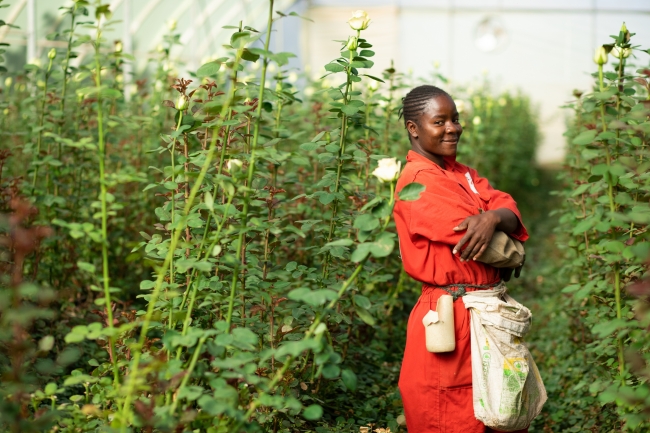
x: 442, y: 236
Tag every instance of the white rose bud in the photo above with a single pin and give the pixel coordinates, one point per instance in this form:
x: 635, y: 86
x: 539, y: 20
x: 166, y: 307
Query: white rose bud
x: 352, y: 43
x: 118, y: 47
x: 460, y: 105
x: 616, y: 52
x: 476, y: 120
x: 388, y: 169
x: 359, y: 20
x: 182, y: 103
x: 600, y: 57
x: 52, y: 54
x: 171, y: 25
x: 234, y: 164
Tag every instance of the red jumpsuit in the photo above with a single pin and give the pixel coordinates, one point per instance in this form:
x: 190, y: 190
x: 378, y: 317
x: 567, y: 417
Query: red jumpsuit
x: 436, y: 388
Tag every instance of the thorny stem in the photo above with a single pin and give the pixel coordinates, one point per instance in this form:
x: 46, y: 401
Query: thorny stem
x: 339, y: 168
x: 612, y: 208
x: 251, y: 170
x: 64, y: 90
x: 104, y: 204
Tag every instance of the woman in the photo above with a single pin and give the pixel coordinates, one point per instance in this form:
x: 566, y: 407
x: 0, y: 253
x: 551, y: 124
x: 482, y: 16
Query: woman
x: 442, y: 234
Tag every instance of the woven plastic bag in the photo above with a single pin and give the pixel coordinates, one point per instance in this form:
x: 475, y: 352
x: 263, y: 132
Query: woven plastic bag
x: 508, y: 391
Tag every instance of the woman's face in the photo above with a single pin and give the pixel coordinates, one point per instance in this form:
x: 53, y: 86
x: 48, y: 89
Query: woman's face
x: 437, y: 131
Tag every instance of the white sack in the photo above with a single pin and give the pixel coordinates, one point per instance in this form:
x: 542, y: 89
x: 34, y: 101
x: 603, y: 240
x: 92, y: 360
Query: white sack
x: 507, y: 388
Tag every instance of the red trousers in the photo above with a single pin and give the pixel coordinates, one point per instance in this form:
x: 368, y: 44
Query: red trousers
x: 436, y: 388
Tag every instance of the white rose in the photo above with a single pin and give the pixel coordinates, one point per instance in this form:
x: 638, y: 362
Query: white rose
x: 476, y: 120
x: 182, y: 103
x: 171, y: 25
x: 233, y: 164
x: 600, y: 57
x: 460, y: 105
x: 617, y: 54
x: 359, y: 20
x: 388, y: 169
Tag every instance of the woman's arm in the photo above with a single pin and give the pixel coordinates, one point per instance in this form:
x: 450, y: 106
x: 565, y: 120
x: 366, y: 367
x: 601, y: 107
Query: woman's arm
x: 479, y: 230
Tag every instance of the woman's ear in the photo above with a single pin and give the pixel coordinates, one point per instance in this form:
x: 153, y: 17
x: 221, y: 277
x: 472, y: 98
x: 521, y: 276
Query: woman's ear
x: 412, y: 128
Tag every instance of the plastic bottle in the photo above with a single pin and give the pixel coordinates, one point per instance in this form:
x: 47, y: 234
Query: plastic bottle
x: 439, y: 326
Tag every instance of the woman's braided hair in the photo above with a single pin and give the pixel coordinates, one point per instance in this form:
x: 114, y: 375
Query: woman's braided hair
x: 415, y: 101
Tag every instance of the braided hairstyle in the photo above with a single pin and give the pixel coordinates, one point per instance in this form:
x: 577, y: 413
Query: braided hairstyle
x: 415, y: 102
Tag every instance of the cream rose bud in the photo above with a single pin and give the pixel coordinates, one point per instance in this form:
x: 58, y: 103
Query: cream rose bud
x: 616, y: 52
x: 52, y: 54
x: 182, y: 103
x: 388, y: 169
x: 359, y: 20
x: 476, y: 120
x: 118, y: 47
x: 171, y: 25
x: 352, y: 43
x: 234, y: 164
x: 600, y: 57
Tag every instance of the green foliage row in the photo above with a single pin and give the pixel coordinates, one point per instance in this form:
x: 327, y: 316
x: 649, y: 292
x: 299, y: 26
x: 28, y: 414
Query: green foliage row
x: 213, y: 253
x: 594, y: 348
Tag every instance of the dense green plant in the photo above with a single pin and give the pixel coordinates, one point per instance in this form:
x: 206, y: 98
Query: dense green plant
x: 221, y: 252
x: 602, y: 358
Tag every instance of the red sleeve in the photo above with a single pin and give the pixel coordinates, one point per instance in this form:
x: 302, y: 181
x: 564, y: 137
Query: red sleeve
x: 439, y: 209
x: 501, y: 200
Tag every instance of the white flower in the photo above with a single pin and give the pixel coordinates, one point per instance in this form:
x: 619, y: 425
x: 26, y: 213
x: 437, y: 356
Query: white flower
x: 182, y: 103
x: 460, y: 105
x: 292, y: 78
x: 234, y: 164
x: 476, y: 120
x: 617, y: 54
x: 52, y: 54
x: 359, y: 20
x: 171, y: 25
x: 388, y: 169
x: 600, y: 57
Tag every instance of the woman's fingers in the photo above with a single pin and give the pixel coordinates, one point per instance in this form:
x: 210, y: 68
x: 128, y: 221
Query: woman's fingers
x: 483, y: 248
x: 472, y: 248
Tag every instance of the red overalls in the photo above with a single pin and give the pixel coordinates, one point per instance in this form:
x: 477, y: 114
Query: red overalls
x: 436, y: 388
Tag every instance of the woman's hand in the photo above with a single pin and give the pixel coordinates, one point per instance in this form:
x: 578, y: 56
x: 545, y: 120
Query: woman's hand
x: 479, y: 231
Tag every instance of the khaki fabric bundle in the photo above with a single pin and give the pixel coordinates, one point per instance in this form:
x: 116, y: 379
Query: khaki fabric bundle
x: 503, y: 252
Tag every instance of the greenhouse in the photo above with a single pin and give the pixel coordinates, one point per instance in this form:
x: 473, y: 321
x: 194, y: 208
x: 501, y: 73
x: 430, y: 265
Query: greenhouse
x: 324, y: 216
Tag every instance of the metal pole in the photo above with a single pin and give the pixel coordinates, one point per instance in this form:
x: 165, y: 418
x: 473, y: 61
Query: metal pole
x: 31, y: 30
x: 127, y: 45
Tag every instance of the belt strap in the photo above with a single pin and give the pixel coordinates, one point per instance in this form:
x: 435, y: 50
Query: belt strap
x: 461, y: 288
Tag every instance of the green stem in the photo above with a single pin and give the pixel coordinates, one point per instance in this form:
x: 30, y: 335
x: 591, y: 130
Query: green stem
x: 104, y: 204
x: 339, y: 168
x: 251, y: 170
x: 39, y: 137
x: 64, y: 90
x: 188, y: 374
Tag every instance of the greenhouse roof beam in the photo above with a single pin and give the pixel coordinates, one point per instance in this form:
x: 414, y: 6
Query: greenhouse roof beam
x: 18, y: 8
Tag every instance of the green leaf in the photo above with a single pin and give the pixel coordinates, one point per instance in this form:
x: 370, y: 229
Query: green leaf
x: 349, y: 379
x: 334, y: 67
x: 361, y: 252
x: 209, y: 69
x: 349, y: 110
x: 245, y: 336
x: 313, y: 412
x: 383, y: 246
x: 346, y: 242
x: 366, y: 222
x: 365, y: 316
x: 411, y: 192
x: 312, y: 297
x: 362, y: 301
x: 326, y: 198
x: 585, y: 137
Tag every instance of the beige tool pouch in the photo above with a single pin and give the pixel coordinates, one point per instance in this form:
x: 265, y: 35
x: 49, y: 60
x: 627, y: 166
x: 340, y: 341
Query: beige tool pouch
x: 439, y: 326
